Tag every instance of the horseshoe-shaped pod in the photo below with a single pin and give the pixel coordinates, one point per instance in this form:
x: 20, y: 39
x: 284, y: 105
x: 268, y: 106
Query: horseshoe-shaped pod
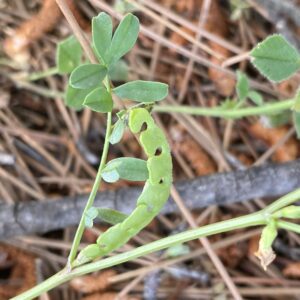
x: 155, y: 192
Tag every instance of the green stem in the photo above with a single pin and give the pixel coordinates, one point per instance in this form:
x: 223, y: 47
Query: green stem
x: 42, y: 74
x: 220, y: 112
x: 92, y: 196
x: 254, y: 219
x: 284, y: 201
x: 288, y: 226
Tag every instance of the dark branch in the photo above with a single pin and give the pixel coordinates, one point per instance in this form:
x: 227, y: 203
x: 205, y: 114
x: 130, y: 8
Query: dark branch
x: 218, y: 189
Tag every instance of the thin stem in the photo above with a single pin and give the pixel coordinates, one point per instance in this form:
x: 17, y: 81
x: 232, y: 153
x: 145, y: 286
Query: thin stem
x: 93, y: 194
x: 288, y: 226
x: 284, y: 201
x: 221, y: 112
x: 42, y: 74
x: 250, y: 220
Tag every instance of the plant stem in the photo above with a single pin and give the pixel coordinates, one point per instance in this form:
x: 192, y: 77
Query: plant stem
x: 284, y: 201
x: 288, y: 226
x: 92, y: 196
x: 221, y: 112
x: 42, y: 74
x: 250, y: 220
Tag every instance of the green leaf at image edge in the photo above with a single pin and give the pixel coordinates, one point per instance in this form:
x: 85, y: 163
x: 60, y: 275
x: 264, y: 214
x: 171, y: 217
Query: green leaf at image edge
x: 87, y: 76
x: 276, y: 58
x: 142, y: 91
x: 99, y: 100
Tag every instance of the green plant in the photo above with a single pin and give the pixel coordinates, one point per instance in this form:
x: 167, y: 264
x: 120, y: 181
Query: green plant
x: 157, y: 171
x: 86, y: 87
x: 90, y: 86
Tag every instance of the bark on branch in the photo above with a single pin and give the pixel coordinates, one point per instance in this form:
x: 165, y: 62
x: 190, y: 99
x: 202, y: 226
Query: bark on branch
x: 219, y: 189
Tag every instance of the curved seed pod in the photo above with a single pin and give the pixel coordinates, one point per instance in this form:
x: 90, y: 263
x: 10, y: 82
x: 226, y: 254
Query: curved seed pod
x: 154, y: 195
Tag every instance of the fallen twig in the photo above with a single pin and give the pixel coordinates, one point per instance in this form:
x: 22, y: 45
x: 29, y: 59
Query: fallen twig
x: 270, y: 180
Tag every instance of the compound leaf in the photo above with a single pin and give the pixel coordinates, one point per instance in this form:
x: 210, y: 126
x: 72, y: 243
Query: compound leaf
x: 87, y: 76
x: 276, y: 58
x: 142, y: 91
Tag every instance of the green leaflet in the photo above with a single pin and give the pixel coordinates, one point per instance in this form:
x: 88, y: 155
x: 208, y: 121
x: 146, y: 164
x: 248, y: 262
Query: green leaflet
x: 99, y: 100
x: 90, y: 216
x: 87, y: 76
x: 142, y: 91
x: 74, y: 98
x: 275, y: 58
x: 117, y: 132
x: 128, y: 168
x: 102, y: 33
x: 111, y: 216
x: 107, y: 215
x: 68, y: 55
x: 123, y: 39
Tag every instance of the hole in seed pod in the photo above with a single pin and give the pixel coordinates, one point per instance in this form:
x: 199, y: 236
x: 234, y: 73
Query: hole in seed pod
x: 144, y: 127
x: 158, y: 151
x: 161, y: 181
